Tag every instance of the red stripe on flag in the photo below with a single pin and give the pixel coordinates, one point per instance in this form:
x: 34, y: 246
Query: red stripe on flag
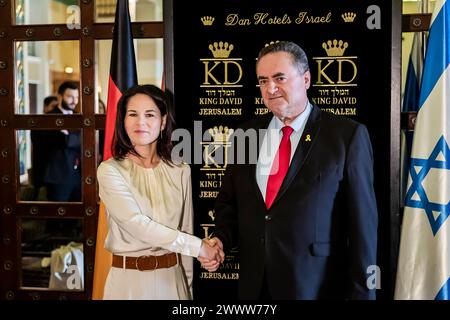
x: 103, y: 258
x: 114, y: 95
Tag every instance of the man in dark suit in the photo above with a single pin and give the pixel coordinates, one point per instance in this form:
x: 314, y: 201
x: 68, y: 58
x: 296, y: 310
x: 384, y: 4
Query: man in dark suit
x: 40, y: 150
x: 63, y: 171
x: 304, y: 216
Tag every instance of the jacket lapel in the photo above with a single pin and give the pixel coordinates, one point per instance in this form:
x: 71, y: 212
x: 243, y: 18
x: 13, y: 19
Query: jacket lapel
x: 263, y: 124
x: 309, y: 137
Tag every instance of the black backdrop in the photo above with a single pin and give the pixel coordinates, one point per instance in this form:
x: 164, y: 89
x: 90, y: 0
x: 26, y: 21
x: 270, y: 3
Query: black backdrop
x: 221, y: 90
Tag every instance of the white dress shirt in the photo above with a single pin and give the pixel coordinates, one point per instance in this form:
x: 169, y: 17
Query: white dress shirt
x: 271, y: 143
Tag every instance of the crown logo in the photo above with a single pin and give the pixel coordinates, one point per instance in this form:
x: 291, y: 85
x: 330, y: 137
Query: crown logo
x: 335, y: 48
x: 221, y: 49
x: 221, y: 134
x: 348, y: 16
x: 207, y: 20
x: 271, y: 43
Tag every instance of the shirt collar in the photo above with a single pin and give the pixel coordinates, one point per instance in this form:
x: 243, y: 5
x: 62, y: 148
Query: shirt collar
x: 298, y: 122
x: 64, y: 111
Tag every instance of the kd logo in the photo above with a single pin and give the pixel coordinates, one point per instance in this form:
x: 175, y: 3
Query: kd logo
x: 341, y: 63
x: 214, y: 78
x: 224, y: 71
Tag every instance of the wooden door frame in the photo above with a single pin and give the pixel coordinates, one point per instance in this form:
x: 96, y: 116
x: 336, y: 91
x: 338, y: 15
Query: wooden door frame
x: 11, y: 209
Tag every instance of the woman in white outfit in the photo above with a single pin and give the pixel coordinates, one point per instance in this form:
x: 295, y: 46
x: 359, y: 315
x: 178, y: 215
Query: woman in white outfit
x: 149, y: 204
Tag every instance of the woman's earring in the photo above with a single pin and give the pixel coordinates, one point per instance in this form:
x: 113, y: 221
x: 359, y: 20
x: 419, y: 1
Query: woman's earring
x: 160, y: 134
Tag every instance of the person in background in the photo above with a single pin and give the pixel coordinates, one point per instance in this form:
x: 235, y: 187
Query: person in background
x: 62, y: 175
x: 50, y: 103
x: 148, y: 199
x: 305, y: 215
x: 40, y: 152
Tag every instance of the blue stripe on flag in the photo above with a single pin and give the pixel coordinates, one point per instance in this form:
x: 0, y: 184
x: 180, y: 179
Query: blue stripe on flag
x: 411, y: 97
x: 436, y: 52
x: 413, y: 76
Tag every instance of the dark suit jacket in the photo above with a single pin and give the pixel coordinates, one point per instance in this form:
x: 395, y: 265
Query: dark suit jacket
x: 39, y: 156
x: 64, y: 152
x: 320, y: 235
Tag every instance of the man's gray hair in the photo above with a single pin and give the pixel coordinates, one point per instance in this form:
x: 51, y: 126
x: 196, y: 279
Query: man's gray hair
x: 298, y: 56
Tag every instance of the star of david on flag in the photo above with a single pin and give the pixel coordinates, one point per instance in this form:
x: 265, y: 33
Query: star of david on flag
x: 423, y: 270
x: 417, y: 197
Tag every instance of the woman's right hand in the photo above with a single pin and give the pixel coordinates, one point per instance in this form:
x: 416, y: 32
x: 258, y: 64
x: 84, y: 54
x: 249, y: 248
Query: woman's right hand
x: 211, y: 254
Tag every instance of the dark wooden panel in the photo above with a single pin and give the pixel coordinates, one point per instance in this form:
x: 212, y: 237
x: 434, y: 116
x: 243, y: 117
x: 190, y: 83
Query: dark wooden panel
x: 416, y: 22
x: 140, y: 30
x: 12, y: 209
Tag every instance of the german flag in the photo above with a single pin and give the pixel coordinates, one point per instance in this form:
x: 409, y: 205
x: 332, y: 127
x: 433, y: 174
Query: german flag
x: 122, y: 76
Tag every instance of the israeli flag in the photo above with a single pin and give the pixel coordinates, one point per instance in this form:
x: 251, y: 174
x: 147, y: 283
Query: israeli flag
x: 410, y: 103
x: 424, y: 261
x: 413, y: 75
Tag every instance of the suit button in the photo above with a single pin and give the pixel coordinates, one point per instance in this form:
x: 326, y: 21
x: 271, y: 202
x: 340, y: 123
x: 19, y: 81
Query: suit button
x: 268, y: 217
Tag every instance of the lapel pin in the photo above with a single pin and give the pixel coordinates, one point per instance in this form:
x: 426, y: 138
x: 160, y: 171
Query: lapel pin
x: 308, y: 138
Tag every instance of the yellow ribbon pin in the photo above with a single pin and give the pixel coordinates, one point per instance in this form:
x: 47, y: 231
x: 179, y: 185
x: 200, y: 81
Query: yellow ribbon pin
x: 308, y: 138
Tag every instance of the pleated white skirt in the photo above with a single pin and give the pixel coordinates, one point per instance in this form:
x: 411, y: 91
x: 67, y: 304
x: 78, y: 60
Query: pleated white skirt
x: 160, y: 284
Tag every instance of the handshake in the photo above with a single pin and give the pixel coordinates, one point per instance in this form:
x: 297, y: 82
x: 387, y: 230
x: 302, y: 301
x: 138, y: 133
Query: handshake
x: 211, y: 254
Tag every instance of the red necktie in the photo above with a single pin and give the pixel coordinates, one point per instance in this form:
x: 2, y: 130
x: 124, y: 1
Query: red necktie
x: 280, y: 166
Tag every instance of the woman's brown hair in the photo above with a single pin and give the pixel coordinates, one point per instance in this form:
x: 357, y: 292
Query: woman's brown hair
x: 121, y: 144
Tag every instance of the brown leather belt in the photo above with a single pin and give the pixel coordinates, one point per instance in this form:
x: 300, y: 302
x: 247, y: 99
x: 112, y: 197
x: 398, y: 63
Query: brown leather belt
x: 144, y: 263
